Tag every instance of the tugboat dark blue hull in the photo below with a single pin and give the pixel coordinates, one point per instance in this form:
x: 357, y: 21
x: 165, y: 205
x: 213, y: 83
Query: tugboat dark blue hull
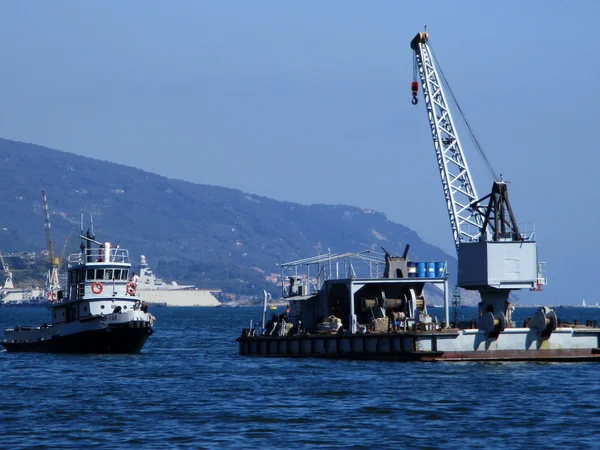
x: 115, y: 339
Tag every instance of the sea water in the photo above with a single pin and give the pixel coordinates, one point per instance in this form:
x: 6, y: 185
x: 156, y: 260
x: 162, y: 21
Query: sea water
x: 189, y: 389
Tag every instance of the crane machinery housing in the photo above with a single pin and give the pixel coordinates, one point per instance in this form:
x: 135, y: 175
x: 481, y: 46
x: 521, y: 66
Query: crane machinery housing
x: 494, y: 256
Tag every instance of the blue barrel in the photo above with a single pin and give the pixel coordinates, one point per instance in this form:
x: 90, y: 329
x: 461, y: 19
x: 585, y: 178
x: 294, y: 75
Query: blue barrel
x: 421, y: 270
x: 412, y: 269
x: 430, y: 270
x: 439, y: 269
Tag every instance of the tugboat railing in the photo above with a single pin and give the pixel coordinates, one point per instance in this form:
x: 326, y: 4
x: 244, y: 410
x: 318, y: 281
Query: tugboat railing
x: 116, y: 255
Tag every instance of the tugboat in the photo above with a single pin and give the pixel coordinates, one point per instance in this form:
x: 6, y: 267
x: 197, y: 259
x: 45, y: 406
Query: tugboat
x: 98, y: 312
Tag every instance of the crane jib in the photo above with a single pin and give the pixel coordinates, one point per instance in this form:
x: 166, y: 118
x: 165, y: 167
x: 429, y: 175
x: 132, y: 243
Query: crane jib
x: 494, y: 257
x: 466, y: 222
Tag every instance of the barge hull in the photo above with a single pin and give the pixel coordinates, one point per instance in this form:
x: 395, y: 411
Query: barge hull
x: 457, y: 345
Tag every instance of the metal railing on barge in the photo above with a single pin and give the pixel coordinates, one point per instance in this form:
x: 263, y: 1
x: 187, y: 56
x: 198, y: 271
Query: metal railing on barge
x: 328, y: 267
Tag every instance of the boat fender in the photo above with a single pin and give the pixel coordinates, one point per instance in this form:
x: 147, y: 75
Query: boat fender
x: 131, y: 288
x: 97, y: 287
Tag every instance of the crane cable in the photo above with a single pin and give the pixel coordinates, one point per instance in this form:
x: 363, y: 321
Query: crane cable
x: 415, y: 70
x: 414, y: 86
x: 463, y: 117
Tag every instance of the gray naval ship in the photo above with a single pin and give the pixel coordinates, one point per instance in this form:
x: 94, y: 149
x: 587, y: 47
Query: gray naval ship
x: 154, y: 290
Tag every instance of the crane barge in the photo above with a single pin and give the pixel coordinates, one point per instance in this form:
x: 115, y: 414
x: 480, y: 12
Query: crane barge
x: 384, y: 316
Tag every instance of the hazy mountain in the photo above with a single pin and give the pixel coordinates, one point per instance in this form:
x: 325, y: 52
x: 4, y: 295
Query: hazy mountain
x: 199, y: 234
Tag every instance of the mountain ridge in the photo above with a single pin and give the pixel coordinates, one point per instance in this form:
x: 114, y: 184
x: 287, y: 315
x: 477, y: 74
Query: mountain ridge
x: 211, y: 236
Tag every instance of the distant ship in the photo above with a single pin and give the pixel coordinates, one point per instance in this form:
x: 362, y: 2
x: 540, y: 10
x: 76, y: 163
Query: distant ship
x: 155, y: 291
x: 583, y: 305
x: 22, y: 297
x: 12, y: 296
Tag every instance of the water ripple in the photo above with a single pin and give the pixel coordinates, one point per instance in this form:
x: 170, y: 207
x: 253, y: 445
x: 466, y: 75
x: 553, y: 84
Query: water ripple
x: 189, y: 389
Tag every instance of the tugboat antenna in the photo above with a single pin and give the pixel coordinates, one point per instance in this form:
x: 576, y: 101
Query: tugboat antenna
x: 89, y: 239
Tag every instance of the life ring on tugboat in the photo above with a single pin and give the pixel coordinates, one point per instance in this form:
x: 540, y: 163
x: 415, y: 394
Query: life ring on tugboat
x: 131, y: 288
x: 51, y: 296
x: 97, y: 287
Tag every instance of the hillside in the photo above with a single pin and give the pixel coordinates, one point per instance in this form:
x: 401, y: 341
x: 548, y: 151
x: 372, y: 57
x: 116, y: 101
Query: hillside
x: 198, y: 234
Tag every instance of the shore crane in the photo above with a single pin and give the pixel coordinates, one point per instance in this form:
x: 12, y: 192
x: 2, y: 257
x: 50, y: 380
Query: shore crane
x: 494, y: 256
x: 8, y: 282
x: 52, y: 281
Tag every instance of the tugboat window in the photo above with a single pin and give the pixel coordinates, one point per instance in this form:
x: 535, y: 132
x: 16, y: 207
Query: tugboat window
x: 108, y: 274
x: 90, y: 274
x: 101, y: 306
x: 117, y: 274
x: 99, y: 274
x: 124, y: 275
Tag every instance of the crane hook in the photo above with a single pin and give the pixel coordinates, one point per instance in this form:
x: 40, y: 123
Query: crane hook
x: 414, y: 87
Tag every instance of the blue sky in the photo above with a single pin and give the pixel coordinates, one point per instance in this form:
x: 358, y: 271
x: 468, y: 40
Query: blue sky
x: 310, y: 102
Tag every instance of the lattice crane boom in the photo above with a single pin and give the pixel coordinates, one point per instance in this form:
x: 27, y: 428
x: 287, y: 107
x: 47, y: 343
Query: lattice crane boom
x: 494, y: 257
x: 48, y: 231
x: 52, y: 282
x: 466, y: 221
x: 8, y: 282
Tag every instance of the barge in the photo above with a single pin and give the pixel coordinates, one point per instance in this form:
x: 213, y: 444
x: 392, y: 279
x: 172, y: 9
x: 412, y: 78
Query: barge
x: 385, y: 317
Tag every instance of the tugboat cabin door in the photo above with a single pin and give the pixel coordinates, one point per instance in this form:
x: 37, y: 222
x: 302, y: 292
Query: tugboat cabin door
x: 70, y: 314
